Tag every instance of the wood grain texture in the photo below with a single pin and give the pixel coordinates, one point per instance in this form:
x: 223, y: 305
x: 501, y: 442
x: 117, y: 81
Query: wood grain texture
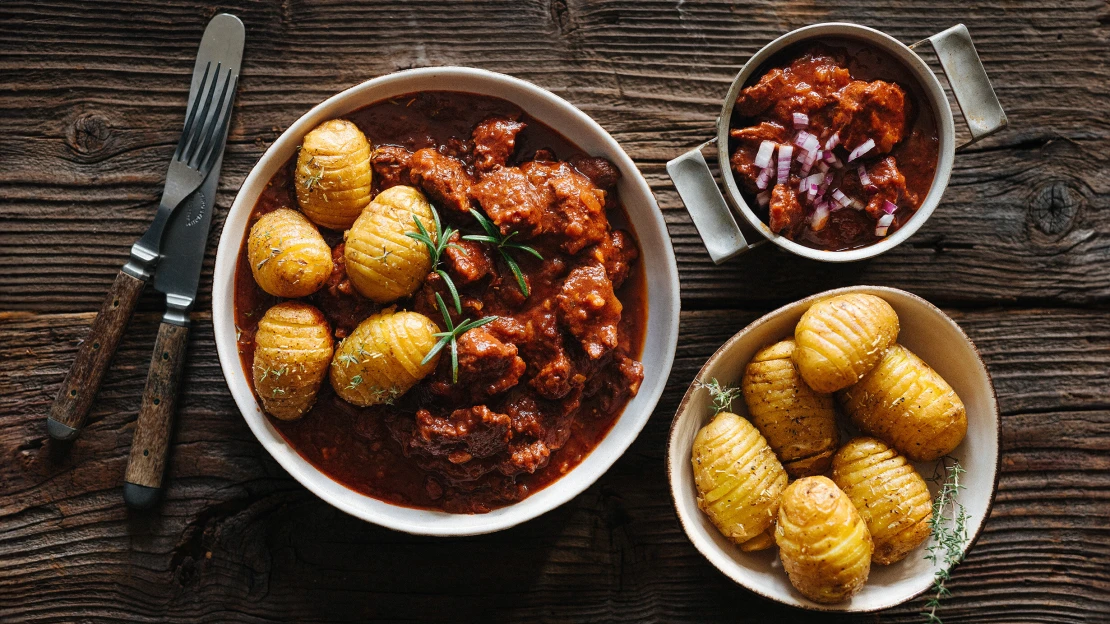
x: 154, y: 426
x: 90, y: 113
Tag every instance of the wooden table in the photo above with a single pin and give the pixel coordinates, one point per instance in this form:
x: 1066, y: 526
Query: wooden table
x: 92, y: 102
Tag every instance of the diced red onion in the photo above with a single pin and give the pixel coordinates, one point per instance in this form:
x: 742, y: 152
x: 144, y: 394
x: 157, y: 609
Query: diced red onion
x: 811, y: 144
x: 880, y: 231
x: 813, y: 183
x: 801, y: 120
x: 819, y: 218
x: 785, y: 152
x: 883, y: 225
x: 763, y: 156
x: 856, y: 204
x: 822, y: 166
x: 763, y: 198
x: 863, y: 148
x: 841, y: 198
x: 889, y: 208
x: 833, y: 141
x: 763, y: 179
x: 807, y: 163
x: 802, y: 185
x: 801, y: 137
x: 866, y: 179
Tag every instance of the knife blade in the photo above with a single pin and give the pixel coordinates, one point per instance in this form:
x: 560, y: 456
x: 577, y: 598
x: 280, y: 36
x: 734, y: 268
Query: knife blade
x: 178, y: 277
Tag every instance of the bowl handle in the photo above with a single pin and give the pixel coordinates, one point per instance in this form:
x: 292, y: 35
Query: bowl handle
x: 707, y: 207
x: 968, y: 79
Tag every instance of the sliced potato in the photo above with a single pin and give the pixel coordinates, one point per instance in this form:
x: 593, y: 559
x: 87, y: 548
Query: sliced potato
x: 333, y: 174
x: 380, y: 360
x: 738, y: 477
x: 798, y: 423
x: 292, y: 349
x: 288, y: 256
x: 841, y: 338
x: 889, y: 494
x: 908, y: 405
x: 823, y: 543
x: 383, y: 262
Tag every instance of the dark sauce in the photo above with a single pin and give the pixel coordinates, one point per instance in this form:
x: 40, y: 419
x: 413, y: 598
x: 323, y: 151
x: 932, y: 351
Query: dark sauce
x: 353, y: 445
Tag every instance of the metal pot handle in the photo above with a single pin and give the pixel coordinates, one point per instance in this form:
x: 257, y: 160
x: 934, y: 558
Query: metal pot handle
x: 968, y: 79
x: 707, y: 207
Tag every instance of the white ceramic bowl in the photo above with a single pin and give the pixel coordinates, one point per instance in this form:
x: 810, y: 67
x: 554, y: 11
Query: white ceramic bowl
x: 926, y: 331
x: 657, y: 261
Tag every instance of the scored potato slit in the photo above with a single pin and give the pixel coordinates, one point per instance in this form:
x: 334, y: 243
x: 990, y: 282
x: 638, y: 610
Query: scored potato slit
x: 293, y: 347
x: 383, y: 262
x: 380, y: 360
x: 333, y: 176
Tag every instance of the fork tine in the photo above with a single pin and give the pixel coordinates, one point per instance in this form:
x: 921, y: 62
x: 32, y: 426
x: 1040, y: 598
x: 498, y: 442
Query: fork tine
x: 212, y: 151
x: 202, y: 121
x: 199, y: 154
x: 195, y: 104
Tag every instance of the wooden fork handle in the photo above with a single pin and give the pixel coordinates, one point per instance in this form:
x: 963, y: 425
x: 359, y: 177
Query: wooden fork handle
x: 75, y: 397
x: 149, y: 447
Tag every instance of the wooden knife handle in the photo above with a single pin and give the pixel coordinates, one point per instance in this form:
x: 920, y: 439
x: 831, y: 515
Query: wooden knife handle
x: 147, y: 463
x: 75, y: 397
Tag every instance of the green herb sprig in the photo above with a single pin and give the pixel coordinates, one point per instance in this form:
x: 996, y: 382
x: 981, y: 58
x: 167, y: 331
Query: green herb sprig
x: 451, y: 335
x: 435, y: 250
x: 949, y: 528
x: 503, y: 244
x: 722, y: 396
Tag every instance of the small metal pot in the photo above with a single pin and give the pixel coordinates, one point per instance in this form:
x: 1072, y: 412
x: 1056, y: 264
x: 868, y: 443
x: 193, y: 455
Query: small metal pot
x: 966, y: 76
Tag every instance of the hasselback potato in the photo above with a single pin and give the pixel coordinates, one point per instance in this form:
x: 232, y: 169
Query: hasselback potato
x: 738, y: 477
x: 798, y: 423
x: 292, y: 349
x: 841, y: 338
x: 383, y: 262
x: 380, y: 360
x: 333, y: 174
x: 908, y: 405
x: 823, y: 543
x: 889, y: 494
x: 288, y: 256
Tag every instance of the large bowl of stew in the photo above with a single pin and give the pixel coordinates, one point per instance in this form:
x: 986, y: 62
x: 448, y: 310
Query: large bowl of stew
x: 521, y: 414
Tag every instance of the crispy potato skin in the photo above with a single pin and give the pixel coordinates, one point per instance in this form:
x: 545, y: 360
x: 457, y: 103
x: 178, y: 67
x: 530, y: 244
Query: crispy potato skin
x: 288, y: 256
x: 889, y: 494
x: 823, y: 543
x: 380, y: 360
x: 841, y: 338
x: 798, y: 423
x: 333, y: 174
x: 292, y: 349
x: 907, y: 404
x: 383, y: 262
x: 738, y: 477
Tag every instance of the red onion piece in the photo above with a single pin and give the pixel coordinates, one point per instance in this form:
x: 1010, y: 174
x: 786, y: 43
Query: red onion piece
x: 841, y: 198
x: 889, y: 208
x: 801, y: 120
x: 763, y: 199
x: 865, y: 147
x: 763, y: 156
x: 885, y: 220
x: 866, y: 179
x: 785, y: 152
x: 833, y: 141
x: 822, y: 166
x: 819, y: 218
x: 800, y: 138
x: 763, y: 179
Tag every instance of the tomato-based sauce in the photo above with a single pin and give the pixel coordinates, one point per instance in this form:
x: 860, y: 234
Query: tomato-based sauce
x: 506, y: 429
x: 861, y: 139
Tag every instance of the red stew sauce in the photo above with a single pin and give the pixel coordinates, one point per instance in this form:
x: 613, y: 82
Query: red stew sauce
x: 825, y: 102
x: 540, y: 387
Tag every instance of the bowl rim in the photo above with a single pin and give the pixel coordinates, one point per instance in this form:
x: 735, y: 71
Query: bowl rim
x: 609, y: 449
x: 733, y: 340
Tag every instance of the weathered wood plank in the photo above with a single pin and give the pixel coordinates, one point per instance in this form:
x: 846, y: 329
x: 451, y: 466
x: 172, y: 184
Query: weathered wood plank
x: 238, y: 540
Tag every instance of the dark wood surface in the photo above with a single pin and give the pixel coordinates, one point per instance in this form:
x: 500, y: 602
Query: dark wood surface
x: 91, y: 102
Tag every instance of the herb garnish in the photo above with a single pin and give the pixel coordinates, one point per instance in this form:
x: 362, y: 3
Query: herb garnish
x: 947, y: 547
x: 722, y: 396
x: 493, y: 237
x: 450, y: 336
x: 435, y: 250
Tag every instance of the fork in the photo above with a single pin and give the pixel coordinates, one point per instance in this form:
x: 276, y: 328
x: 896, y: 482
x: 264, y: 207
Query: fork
x: 196, y: 153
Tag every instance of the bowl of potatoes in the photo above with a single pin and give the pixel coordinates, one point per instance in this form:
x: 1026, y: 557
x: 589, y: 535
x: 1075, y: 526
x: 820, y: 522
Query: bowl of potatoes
x: 812, y: 459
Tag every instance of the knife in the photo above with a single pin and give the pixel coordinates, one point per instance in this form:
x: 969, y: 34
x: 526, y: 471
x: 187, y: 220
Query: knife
x: 178, y: 277
x: 219, y: 56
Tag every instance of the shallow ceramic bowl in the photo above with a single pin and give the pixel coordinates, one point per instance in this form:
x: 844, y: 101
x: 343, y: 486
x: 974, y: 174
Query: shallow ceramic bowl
x: 926, y: 331
x: 657, y: 260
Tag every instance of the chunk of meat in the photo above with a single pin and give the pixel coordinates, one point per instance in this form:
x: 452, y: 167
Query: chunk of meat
x: 870, y: 110
x: 465, y: 434
x: 392, y: 166
x: 467, y: 261
x: 589, y: 309
x: 541, y: 342
x: 600, y: 171
x: 577, y: 214
x: 494, y: 142
x: 616, y: 253
x: 512, y: 201
x: 785, y: 211
x: 486, y: 365
x: 890, y: 186
x: 443, y: 178
x: 806, y: 86
x: 525, y: 456
x: 748, y: 141
x: 616, y: 382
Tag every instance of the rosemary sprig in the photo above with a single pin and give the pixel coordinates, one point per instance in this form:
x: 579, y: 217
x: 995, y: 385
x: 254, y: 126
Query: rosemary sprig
x: 503, y: 244
x: 436, y: 248
x: 722, y: 396
x: 450, y: 336
x: 949, y: 528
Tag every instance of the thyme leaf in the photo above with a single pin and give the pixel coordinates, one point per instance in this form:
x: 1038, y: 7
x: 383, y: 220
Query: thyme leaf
x: 949, y: 529
x: 721, y: 395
